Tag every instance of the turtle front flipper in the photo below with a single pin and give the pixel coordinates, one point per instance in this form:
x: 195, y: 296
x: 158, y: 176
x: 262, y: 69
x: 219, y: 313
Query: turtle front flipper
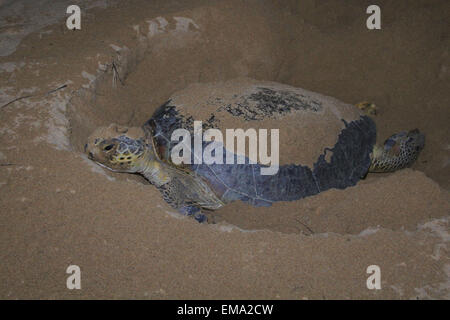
x: 188, y: 195
x: 399, y: 151
x: 175, y: 199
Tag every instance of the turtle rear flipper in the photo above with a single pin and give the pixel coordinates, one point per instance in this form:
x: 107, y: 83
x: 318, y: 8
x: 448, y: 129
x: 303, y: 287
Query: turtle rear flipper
x: 399, y: 151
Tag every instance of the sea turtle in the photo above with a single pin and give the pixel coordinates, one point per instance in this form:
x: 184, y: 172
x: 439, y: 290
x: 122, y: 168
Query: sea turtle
x: 323, y: 144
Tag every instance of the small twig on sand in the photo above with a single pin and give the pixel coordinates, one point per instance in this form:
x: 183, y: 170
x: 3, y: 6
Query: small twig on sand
x: 32, y: 95
x: 59, y: 88
x: 116, y: 75
x: 7, y: 164
x: 14, y: 100
x: 305, y: 225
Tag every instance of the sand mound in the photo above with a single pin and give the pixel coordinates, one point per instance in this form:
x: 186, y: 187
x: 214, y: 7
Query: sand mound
x: 398, y: 201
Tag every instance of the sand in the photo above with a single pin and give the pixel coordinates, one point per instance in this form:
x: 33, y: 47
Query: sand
x: 57, y: 208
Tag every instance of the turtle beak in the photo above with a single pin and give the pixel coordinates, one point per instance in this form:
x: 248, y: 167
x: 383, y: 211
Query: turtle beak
x: 106, y: 167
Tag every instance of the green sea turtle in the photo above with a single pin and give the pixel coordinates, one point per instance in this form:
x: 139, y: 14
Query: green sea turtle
x: 323, y: 143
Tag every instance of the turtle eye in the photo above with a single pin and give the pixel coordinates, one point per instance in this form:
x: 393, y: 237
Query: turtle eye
x: 108, y: 147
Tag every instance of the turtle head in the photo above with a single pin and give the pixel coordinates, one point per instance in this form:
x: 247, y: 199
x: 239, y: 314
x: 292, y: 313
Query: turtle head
x: 118, y: 148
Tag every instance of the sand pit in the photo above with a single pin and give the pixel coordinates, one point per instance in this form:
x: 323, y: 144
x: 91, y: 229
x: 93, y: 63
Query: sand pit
x: 57, y: 208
